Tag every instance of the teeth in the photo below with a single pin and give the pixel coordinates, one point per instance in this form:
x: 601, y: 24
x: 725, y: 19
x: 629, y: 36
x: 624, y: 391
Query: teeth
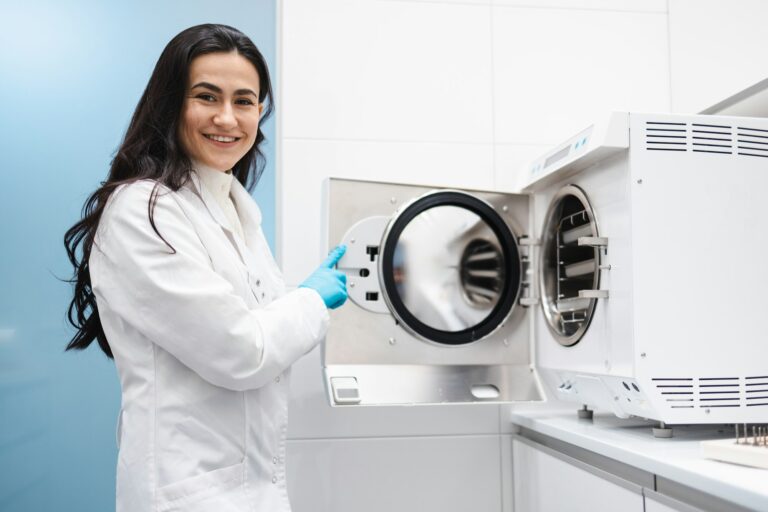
x: 220, y: 138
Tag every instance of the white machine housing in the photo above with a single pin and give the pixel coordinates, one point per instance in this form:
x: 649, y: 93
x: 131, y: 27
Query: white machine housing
x: 675, y: 331
x: 680, y: 338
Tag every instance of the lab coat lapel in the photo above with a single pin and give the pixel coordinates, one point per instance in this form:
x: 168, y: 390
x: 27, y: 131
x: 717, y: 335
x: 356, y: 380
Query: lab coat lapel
x: 218, y: 215
x: 248, y: 212
x: 261, y: 263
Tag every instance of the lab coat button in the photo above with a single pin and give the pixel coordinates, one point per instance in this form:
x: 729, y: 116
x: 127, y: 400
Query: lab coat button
x: 277, y: 379
x: 258, y: 282
x: 274, y: 460
x: 274, y: 479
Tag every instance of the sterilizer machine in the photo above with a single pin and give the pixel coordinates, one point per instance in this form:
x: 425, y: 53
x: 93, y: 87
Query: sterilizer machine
x: 627, y: 276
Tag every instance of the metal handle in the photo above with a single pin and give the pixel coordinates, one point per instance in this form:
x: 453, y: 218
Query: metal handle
x: 528, y: 241
x: 529, y: 301
x: 593, y: 294
x: 593, y: 241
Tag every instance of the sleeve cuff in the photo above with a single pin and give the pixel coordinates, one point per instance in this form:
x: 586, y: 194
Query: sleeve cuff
x: 316, y: 316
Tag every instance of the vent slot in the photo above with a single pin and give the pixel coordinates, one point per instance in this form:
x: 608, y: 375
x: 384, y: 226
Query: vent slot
x: 752, y: 141
x: 712, y: 138
x: 756, y: 391
x: 660, y: 136
x: 719, y: 392
x: 677, y: 392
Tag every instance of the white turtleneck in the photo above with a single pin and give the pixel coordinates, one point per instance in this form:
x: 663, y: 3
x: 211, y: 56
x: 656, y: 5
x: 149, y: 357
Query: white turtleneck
x: 219, y: 184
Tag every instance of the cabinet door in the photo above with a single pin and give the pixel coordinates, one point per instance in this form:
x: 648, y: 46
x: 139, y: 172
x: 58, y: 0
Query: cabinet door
x: 655, y: 502
x: 546, y: 481
x: 652, y: 505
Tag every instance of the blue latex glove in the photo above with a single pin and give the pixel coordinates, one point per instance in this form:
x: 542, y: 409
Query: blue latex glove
x: 329, y: 282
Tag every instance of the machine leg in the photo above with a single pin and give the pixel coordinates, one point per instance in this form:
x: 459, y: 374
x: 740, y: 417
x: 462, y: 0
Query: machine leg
x: 662, y: 431
x: 585, y: 413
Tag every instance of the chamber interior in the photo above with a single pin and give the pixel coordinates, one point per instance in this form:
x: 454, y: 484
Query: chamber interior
x: 570, y: 265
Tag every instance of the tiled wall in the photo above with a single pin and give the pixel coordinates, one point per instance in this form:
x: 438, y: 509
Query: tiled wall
x: 718, y: 49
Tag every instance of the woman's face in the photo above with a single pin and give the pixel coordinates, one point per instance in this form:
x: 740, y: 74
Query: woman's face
x: 220, y: 116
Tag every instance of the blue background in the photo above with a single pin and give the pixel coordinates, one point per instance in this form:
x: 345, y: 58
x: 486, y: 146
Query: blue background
x: 71, y: 73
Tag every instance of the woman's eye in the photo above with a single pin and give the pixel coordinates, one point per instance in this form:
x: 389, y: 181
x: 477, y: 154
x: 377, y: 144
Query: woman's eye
x: 206, y: 97
x: 244, y: 101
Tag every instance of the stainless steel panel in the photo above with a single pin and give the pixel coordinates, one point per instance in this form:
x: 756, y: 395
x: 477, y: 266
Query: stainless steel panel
x: 430, y: 384
x: 390, y: 364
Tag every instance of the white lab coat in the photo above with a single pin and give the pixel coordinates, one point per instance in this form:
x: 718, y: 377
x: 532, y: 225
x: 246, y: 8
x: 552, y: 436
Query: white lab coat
x: 203, y: 341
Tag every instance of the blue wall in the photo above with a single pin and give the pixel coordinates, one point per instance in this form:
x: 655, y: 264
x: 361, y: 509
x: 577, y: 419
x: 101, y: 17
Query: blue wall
x: 71, y: 73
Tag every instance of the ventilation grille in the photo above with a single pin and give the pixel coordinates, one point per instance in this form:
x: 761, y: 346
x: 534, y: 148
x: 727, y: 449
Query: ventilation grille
x: 711, y: 138
x: 666, y: 136
x: 756, y: 391
x: 706, y: 138
x: 708, y: 392
x: 752, y: 142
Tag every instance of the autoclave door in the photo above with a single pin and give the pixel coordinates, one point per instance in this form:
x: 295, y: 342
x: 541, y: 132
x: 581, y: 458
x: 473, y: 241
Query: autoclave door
x: 439, y: 291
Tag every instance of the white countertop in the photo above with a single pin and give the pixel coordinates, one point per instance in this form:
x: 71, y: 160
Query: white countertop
x: 678, y: 459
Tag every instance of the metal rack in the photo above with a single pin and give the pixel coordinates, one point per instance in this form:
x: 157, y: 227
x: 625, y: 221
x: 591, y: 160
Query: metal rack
x: 570, y: 270
x: 574, y: 274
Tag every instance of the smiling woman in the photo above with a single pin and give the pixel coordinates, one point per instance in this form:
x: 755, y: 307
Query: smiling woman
x: 221, y: 113
x: 174, y: 278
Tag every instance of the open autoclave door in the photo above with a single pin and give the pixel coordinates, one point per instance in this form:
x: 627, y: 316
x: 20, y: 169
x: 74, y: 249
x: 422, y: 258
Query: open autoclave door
x: 440, y: 284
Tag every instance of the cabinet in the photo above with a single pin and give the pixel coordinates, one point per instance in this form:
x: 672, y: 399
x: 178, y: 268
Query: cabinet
x: 551, y: 475
x: 546, y: 480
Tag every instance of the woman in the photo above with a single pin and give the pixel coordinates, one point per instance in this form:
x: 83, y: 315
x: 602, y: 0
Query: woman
x: 177, y: 283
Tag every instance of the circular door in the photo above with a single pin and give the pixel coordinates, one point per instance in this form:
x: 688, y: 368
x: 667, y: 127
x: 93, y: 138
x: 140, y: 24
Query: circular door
x: 569, y: 266
x: 449, y: 268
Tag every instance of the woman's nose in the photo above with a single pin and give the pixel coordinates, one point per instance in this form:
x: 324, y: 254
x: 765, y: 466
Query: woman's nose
x: 225, y: 117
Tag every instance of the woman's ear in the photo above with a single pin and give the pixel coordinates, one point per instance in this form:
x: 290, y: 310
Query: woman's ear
x: 261, y: 109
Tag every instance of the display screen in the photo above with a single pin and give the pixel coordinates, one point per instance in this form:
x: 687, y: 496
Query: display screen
x: 557, y: 156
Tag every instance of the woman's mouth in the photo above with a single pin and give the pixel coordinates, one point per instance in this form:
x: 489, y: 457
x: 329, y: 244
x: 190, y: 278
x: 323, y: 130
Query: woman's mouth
x: 221, y: 138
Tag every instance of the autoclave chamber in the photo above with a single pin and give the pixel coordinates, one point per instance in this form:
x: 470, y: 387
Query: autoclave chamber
x: 441, y: 283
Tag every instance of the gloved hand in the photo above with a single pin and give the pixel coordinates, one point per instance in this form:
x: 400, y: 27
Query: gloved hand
x: 328, y: 282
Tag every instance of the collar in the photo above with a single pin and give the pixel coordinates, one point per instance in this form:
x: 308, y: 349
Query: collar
x: 247, y: 209
x: 218, y: 183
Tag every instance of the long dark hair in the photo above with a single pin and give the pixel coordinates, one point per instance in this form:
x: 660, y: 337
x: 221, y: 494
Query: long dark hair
x: 151, y: 150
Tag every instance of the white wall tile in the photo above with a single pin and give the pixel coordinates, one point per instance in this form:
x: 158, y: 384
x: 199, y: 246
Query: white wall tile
x: 445, y: 474
x: 604, y: 5
x: 311, y: 416
x: 386, y: 70
x: 717, y: 49
x: 306, y: 163
x: 510, y: 164
x: 557, y: 70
